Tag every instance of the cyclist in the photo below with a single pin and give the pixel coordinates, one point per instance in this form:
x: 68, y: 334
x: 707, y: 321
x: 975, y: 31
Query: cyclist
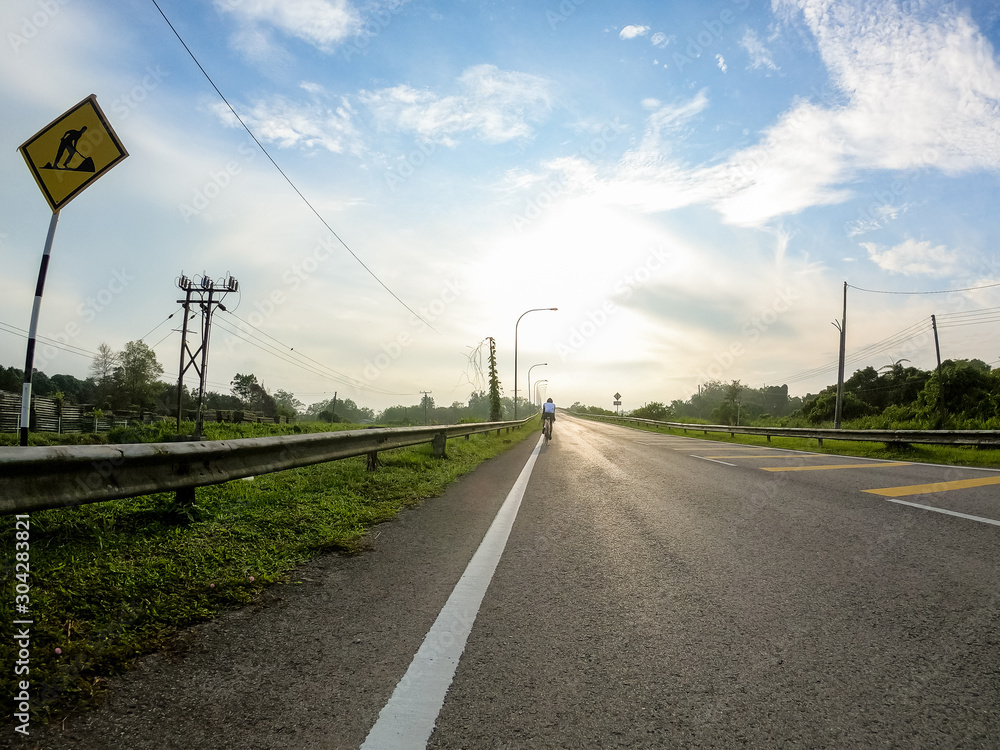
x: 548, y: 413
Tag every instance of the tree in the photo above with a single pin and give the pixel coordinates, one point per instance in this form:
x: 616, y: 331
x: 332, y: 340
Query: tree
x: 479, y: 406
x: 398, y: 414
x: 496, y: 411
x: 75, y: 391
x: 245, y: 388
x: 823, y: 407
x: 286, y: 405
x: 136, y: 377
x: 344, y: 410
x: 966, y: 390
x: 102, y: 371
x: 11, y: 379
x: 252, y: 395
x: 653, y: 410
x: 102, y: 366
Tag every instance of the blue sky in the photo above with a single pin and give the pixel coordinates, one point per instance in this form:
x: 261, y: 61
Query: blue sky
x: 690, y: 183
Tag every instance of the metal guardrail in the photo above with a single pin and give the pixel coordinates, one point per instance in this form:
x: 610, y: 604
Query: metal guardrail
x: 889, y: 437
x: 40, y: 477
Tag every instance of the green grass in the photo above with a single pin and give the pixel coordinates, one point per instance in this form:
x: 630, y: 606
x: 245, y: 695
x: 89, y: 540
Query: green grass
x: 932, y: 454
x: 112, y: 581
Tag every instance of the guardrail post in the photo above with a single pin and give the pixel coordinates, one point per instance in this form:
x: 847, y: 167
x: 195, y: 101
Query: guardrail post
x: 438, y: 444
x: 373, y: 461
x: 820, y: 441
x: 186, y: 496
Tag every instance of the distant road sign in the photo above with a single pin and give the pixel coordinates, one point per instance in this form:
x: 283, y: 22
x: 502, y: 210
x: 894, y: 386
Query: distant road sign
x: 618, y: 395
x: 71, y: 152
x: 618, y: 403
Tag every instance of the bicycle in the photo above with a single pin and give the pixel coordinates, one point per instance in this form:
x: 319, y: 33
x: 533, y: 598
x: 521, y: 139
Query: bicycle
x: 547, y: 428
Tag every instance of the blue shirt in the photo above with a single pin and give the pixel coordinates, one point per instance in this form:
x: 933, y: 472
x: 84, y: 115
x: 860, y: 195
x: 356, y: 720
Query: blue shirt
x: 549, y: 408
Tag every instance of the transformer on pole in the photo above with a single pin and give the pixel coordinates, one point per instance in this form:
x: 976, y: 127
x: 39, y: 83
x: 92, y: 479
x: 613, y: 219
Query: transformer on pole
x: 206, y: 294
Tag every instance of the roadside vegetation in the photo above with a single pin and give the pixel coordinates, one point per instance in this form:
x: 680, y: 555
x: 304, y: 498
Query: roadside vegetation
x: 931, y: 454
x: 127, y: 386
x: 112, y: 581
x: 964, y: 395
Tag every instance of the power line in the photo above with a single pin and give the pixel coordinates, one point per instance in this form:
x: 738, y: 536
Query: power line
x: 282, y: 172
x: 171, y: 333
x: 349, y: 380
x: 891, y: 342
x: 173, y: 377
x: 966, y: 313
x: 274, y: 352
x: 941, y: 291
x: 886, y: 344
x: 994, y: 319
x: 16, y: 331
x: 162, y: 322
x: 337, y: 376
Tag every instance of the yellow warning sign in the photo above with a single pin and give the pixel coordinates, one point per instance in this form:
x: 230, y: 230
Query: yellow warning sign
x: 72, y: 151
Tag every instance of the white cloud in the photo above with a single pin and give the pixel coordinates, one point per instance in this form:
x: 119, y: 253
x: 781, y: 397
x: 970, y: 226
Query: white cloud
x: 876, y: 217
x: 494, y: 104
x: 631, y: 32
x: 659, y: 39
x: 910, y: 91
x: 668, y: 118
x: 322, y: 23
x: 760, y: 57
x: 721, y: 61
x: 912, y: 258
x: 923, y: 90
x: 308, y: 125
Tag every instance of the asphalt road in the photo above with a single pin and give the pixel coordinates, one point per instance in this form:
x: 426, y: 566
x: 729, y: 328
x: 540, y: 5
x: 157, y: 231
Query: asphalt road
x: 654, y: 592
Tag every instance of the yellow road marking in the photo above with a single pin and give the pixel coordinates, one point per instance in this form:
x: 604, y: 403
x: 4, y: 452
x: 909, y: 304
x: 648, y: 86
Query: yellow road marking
x: 772, y: 455
x: 709, y: 450
x: 836, y: 466
x: 920, y: 489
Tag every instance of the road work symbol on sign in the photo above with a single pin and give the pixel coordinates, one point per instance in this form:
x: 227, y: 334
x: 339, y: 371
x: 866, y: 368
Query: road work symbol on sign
x: 71, y: 152
x: 67, y: 146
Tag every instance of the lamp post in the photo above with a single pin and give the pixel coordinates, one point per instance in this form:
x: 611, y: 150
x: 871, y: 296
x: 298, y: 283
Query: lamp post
x: 538, y: 390
x: 540, y: 364
x: 534, y: 309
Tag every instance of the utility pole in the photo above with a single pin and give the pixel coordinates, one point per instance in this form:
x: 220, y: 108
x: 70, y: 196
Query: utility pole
x: 426, y: 394
x: 840, y: 369
x: 202, y: 293
x: 937, y: 351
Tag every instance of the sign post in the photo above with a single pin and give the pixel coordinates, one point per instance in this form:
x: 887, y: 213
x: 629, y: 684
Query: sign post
x: 618, y: 400
x: 64, y: 157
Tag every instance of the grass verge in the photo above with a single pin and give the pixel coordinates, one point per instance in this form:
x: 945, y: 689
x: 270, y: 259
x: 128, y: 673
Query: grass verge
x: 112, y: 581
x: 930, y: 454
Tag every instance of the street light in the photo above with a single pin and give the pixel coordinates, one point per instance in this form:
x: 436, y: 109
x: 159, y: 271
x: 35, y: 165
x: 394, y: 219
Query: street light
x: 540, y: 364
x: 534, y: 309
x: 538, y: 390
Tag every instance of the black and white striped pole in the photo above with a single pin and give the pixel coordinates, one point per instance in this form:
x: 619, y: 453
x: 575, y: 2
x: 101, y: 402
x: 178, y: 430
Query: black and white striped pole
x: 85, y: 147
x: 29, y: 360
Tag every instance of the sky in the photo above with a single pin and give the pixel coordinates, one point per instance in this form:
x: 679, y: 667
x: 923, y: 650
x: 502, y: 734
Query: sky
x: 691, y: 184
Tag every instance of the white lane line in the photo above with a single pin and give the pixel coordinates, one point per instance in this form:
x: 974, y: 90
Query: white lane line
x: 714, y: 460
x: 407, y: 720
x: 942, y: 510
